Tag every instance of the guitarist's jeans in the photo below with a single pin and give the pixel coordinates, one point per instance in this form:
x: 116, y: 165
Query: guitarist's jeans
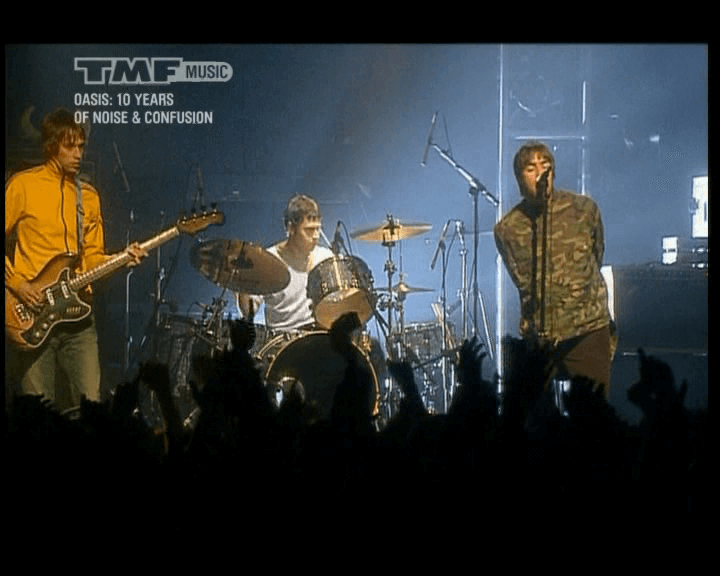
x: 74, y: 348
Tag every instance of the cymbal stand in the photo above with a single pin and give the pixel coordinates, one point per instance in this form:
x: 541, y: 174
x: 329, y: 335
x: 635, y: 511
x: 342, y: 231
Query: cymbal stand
x: 389, y: 240
x: 211, y: 331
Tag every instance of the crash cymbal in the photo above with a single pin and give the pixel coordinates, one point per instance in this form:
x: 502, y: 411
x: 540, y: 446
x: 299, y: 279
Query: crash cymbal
x: 240, y: 266
x: 403, y: 288
x: 392, y: 230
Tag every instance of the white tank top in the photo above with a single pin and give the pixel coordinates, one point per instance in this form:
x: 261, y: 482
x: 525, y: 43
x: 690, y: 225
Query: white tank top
x: 291, y: 308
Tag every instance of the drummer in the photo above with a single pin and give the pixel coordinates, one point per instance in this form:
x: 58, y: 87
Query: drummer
x: 291, y: 308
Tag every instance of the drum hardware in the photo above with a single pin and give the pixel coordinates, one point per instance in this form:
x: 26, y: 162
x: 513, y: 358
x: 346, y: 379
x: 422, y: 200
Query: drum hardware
x: 388, y: 234
x: 212, y: 329
x: 240, y: 266
x: 391, y: 232
x: 177, y: 340
x: 401, y: 290
x: 441, y: 308
x: 422, y: 348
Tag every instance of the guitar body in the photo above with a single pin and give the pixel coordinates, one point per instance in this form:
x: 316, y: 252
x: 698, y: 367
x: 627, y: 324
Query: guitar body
x: 28, y: 330
x: 63, y: 291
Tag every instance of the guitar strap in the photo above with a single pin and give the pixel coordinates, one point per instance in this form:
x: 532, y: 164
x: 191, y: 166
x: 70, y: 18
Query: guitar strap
x: 80, y: 215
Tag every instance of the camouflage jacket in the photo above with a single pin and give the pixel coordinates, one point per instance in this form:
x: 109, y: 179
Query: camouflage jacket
x: 576, y: 297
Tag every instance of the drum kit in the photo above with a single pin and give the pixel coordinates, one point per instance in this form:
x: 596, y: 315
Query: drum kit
x: 336, y: 286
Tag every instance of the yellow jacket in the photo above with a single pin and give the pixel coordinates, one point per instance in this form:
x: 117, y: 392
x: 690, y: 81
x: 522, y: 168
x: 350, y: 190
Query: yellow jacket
x: 40, y: 208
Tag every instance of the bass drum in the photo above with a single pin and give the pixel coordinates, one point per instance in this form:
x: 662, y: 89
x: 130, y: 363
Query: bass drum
x: 306, y: 363
x: 340, y: 285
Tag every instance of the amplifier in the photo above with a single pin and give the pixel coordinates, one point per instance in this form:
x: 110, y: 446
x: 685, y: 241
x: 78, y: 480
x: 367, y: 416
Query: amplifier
x: 664, y: 307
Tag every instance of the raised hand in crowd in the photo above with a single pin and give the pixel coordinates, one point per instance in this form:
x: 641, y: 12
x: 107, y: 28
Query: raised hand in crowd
x: 341, y: 334
x: 655, y: 392
x: 353, y: 401
x: 411, y: 402
x: 473, y: 395
x: 156, y: 377
x: 242, y: 334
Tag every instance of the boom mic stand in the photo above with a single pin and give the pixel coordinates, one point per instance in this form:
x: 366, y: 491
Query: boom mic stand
x: 476, y: 188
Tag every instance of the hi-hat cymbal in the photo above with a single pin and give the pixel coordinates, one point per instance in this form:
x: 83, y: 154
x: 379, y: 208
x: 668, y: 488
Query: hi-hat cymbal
x: 392, y: 230
x: 403, y: 288
x: 240, y: 266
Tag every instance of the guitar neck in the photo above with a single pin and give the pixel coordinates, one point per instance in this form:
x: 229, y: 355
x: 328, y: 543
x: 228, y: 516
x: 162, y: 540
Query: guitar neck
x: 119, y: 260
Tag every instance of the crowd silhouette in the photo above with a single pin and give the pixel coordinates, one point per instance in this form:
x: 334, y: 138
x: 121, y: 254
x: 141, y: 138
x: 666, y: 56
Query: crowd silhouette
x: 506, y: 455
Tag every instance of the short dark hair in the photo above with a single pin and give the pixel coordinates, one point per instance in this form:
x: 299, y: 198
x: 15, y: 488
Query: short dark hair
x: 298, y: 207
x: 59, y: 127
x: 525, y: 154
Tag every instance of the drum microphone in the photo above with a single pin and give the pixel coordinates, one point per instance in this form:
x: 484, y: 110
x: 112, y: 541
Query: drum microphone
x: 460, y: 230
x: 441, y: 243
x: 429, y: 140
x: 337, y: 239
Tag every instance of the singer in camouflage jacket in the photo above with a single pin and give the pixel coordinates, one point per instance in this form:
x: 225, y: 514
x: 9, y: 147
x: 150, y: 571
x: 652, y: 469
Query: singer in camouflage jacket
x: 576, y: 295
x: 576, y: 315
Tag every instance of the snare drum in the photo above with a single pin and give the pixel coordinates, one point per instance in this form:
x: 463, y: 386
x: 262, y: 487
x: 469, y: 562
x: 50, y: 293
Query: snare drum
x: 307, y: 362
x: 340, y: 285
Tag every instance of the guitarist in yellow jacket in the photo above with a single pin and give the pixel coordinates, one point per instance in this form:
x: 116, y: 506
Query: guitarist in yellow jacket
x: 41, y: 211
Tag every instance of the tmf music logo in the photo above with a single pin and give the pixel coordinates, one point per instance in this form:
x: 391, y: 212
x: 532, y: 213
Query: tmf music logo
x: 150, y: 71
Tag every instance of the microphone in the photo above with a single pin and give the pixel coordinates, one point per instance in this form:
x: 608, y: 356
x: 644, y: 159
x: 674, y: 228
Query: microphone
x: 542, y: 182
x: 441, y: 244
x: 460, y: 230
x: 337, y: 239
x: 429, y: 140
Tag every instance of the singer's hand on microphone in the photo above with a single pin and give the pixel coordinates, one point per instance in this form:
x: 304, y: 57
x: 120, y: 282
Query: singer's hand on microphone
x: 543, y: 178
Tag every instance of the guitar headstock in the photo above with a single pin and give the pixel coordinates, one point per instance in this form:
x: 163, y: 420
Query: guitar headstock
x: 199, y: 222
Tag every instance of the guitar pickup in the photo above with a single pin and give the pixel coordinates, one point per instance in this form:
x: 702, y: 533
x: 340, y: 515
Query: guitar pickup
x: 22, y: 313
x: 65, y: 291
x: 50, y: 297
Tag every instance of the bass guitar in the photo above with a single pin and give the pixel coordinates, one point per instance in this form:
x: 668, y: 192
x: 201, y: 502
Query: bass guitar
x: 61, y: 288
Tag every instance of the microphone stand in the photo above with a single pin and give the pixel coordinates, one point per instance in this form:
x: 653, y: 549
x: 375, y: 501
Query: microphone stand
x: 443, y: 328
x: 543, y: 266
x: 545, y: 206
x: 152, y: 332
x: 475, y: 189
x: 559, y: 384
x: 460, y: 228
x: 129, y: 273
